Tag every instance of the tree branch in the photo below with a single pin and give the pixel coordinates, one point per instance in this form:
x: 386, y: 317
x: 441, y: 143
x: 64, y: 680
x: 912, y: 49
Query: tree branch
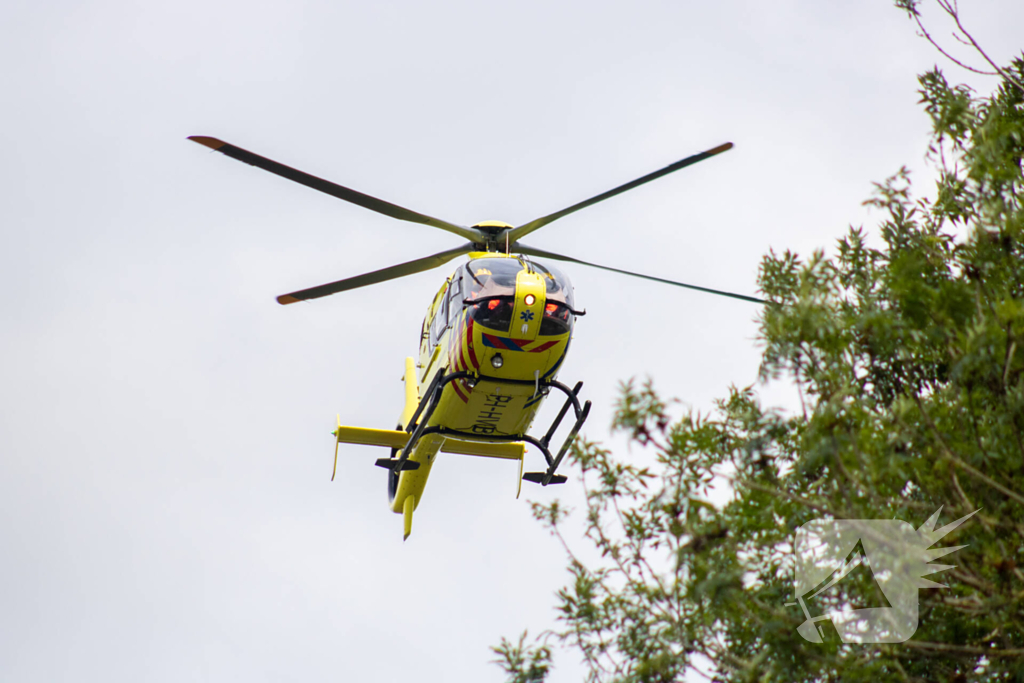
x: 960, y: 463
x: 963, y: 649
x: 952, y: 11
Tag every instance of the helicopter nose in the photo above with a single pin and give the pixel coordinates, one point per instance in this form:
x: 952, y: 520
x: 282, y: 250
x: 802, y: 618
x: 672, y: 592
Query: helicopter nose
x: 528, y: 311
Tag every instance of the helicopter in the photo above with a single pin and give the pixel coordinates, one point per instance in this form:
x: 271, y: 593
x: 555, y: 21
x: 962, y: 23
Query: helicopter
x: 491, y: 344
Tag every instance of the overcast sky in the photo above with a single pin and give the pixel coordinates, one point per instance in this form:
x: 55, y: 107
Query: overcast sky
x: 166, y: 512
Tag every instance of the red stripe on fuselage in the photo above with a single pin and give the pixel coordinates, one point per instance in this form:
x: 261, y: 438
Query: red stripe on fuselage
x: 543, y: 347
x: 469, y: 344
x: 455, y: 352
x: 463, y: 351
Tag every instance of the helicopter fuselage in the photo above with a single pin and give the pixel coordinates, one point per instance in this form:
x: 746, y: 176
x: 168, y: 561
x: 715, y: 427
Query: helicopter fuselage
x: 494, y: 337
x: 506, y: 338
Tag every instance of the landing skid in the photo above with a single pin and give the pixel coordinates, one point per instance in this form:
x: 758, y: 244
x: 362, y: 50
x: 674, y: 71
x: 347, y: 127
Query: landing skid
x: 417, y: 427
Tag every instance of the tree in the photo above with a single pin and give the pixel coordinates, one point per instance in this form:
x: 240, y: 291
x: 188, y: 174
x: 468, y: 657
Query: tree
x: 910, y: 363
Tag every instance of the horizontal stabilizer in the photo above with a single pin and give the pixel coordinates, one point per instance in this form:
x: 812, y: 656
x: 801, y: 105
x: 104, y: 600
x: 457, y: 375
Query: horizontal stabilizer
x: 507, y: 451
x: 390, y: 438
x: 538, y: 477
x: 389, y: 464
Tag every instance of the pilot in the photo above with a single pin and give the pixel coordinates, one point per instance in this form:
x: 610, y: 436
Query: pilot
x: 479, y: 279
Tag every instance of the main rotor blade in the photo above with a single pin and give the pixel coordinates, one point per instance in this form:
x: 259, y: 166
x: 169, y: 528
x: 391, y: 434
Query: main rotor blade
x: 333, y: 189
x: 382, y: 275
x: 538, y: 223
x: 530, y: 251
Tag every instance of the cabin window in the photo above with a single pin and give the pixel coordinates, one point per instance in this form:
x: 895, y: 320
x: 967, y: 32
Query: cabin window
x: 440, y: 322
x: 455, y: 297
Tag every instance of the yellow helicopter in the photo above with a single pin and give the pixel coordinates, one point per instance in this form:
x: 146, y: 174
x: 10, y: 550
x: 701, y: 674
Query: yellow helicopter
x: 493, y: 339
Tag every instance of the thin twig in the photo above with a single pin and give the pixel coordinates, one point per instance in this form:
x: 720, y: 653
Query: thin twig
x: 954, y: 12
x: 948, y: 56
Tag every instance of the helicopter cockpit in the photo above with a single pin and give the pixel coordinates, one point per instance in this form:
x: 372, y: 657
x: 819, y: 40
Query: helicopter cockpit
x: 489, y: 286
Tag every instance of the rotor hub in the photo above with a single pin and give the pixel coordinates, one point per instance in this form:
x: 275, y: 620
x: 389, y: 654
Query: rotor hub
x: 492, y: 227
x: 492, y: 232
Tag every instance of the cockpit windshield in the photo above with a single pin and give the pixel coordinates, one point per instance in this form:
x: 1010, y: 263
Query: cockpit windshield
x: 488, y: 277
x: 490, y: 291
x: 558, y: 286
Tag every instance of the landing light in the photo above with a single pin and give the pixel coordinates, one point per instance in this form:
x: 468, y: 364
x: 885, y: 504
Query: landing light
x: 497, y: 361
x: 529, y: 299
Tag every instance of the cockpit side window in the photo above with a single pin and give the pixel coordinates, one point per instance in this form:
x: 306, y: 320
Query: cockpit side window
x: 439, y: 321
x: 558, y: 319
x: 558, y: 315
x: 558, y: 287
x: 455, y: 296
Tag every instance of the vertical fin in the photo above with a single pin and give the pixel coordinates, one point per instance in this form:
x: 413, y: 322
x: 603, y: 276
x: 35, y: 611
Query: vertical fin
x: 407, y: 507
x: 337, y: 440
